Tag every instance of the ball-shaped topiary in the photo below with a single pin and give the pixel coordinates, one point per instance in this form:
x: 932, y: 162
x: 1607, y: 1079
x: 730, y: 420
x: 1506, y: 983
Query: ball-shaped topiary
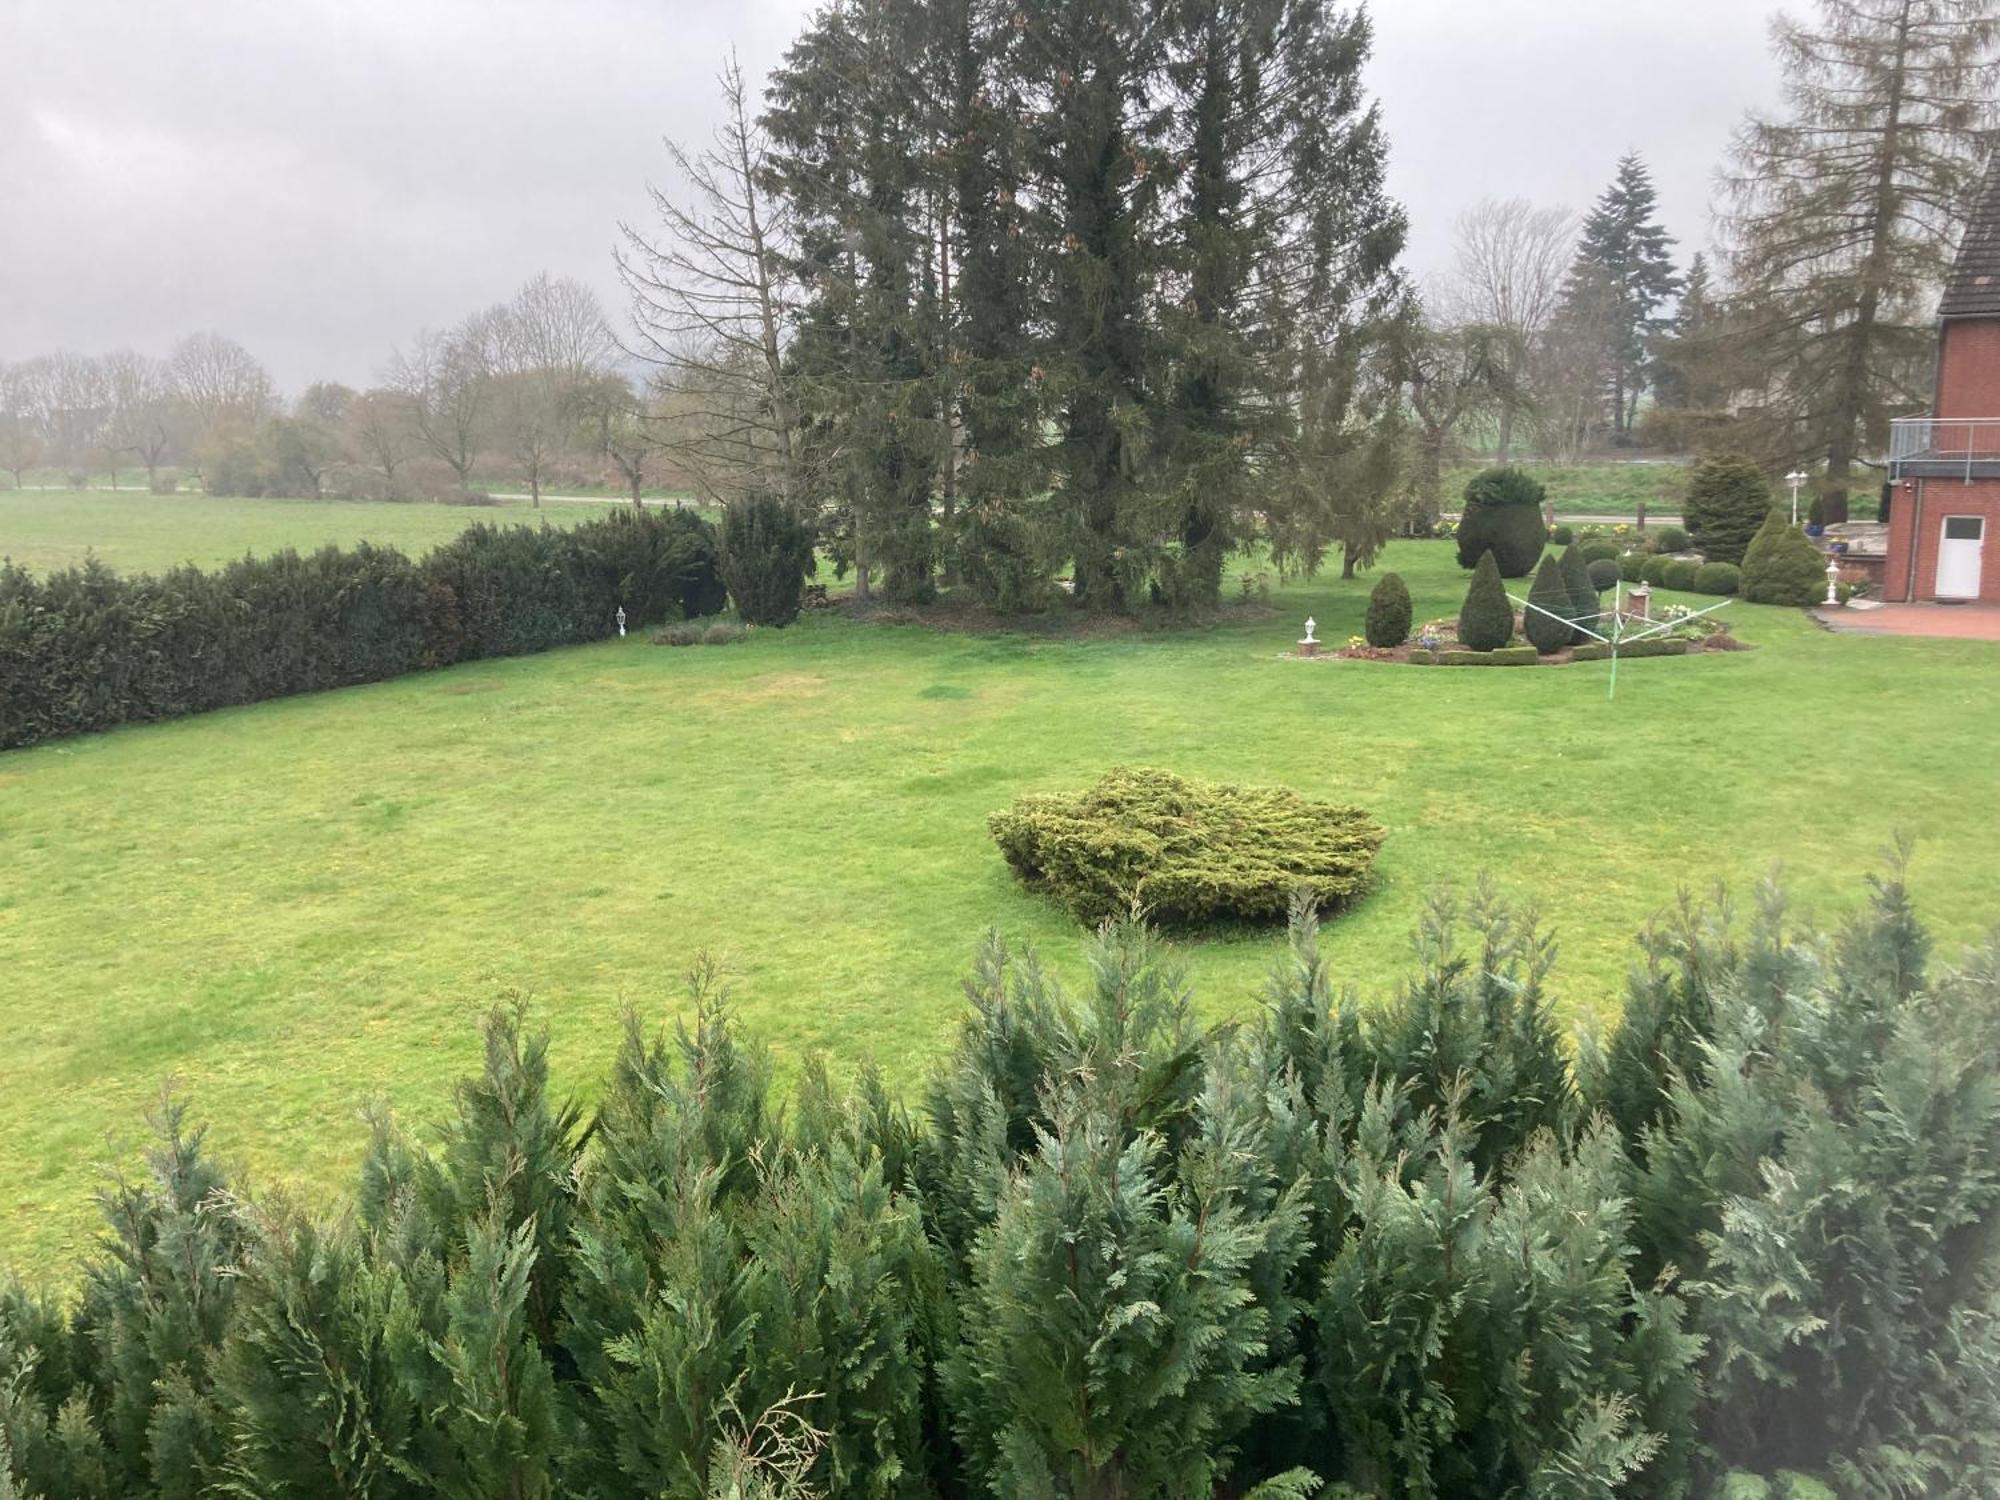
x: 1630, y: 564
x: 1598, y: 548
x: 1681, y: 573
x: 1389, y: 612
x: 1486, y: 619
x: 1670, y: 539
x: 1654, y: 571
x: 1503, y: 515
x: 1604, y: 573
x: 1727, y: 499
x: 1718, y: 578
x: 1561, y: 536
x: 1782, y: 567
x: 1546, y: 620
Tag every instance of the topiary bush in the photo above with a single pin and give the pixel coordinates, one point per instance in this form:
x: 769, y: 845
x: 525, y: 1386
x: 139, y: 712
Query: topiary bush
x: 1604, y: 573
x: 1389, y: 612
x: 1546, y: 620
x: 1727, y: 498
x: 1583, y: 604
x: 1187, y: 852
x: 1600, y: 549
x: 1680, y: 573
x: 1561, y: 536
x: 1503, y: 514
x: 1654, y: 571
x: 1718, y: 578
x: 1630, y: 566
x: 1781, y: 566
x: 767, y: 555
x: 1486, y: 619
x: 1670, y: 539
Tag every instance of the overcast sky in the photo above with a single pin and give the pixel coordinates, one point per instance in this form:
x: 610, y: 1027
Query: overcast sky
x: 321, y: 178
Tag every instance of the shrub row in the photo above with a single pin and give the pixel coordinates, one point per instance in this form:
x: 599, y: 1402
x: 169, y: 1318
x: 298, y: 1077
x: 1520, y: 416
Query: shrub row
x: 1599, y: 650
x: 87, y: 648
x: 1402, y: 1248
x: 1503, y: 656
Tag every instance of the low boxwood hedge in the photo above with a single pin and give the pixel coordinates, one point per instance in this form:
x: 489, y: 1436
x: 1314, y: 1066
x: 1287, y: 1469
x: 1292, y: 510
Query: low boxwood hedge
x: 1187, y: 852
x: 1597, y: 651
x: 1505, y: 656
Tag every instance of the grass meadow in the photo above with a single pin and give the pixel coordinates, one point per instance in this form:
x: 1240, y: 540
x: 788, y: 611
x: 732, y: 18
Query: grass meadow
x: 299, y: 907
x: 139, y: 532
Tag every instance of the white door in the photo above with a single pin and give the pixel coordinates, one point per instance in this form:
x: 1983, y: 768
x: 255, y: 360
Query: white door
x: 1958, y: 557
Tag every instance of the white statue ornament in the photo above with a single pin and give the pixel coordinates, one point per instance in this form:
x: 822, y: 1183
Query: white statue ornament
x: 1311, y: 639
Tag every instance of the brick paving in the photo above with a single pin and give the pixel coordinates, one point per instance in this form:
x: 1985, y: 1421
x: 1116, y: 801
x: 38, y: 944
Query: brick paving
x: 1958, y: 622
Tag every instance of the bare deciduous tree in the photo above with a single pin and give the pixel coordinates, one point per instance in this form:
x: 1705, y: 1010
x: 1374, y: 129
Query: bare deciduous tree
x: 144, y: 413
x: 706, y: 309
x: 444, y: 382
x: 1507, y: 276
x: 551, y: 345
x: 225, y: 390
x: 376, y: 431
x: 21, y: 444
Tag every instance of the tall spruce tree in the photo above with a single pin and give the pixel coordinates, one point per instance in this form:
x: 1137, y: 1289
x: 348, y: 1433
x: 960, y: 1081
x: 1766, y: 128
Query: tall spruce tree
x: 1624, y: 258
x: 1845, y: 212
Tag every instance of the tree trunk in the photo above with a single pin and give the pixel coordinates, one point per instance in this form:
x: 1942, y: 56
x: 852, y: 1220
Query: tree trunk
x: 1506, y: 443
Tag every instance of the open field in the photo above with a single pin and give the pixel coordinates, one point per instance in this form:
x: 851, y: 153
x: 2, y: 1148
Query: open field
x: 135, y: 531
x: 1615, y: 487
x: 299, y: 906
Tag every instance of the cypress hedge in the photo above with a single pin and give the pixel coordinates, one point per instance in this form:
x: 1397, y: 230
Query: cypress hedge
x: 1403, y: 1247
x: 767, y: 555
x: 86, y: 648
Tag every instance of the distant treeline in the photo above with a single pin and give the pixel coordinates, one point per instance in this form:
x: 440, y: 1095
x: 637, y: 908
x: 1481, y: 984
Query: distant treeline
x: 1407, y: 1251
x: 88, y: 648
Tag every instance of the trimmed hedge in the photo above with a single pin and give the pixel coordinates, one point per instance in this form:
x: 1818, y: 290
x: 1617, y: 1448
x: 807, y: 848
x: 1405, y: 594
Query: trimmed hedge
x: 1670, y: 539
x: 87, y: 648
x: 1631, y: 566
x: 1389, y: 612
x: 1681, y: 573
x: 1654, y: 571
x: 1503, y: 513
x: 1603, y: 573
x: 1187, y: 852
x: 1599, y: 651
x: 1599, y: 549
x: 1727, y: 499
x: 1718, y: 578
x: 1486, y: 619
x: 1506, y: 656
x: 1546, y: 622
x: 1781, y: 566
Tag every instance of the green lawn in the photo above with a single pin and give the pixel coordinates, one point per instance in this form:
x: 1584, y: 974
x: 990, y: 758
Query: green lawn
x: 135, y: 531
x: 299, y: 906
x: 1593, y: 489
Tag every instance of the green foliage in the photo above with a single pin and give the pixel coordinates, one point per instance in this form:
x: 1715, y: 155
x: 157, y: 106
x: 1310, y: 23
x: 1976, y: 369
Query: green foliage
x: 1546, y: 621
x: 1600, y: 548
x: 1653, y: 646
x: 1187, y: 852
x: 1727, y: 499
x: 1782, y: 566
x: 1653, y: 571
x: 86, y: 648
x: 1503, y: 515
x: 1583, y: 603
x: 1631, y: 566
x: 1505, y: 656
x: 1669, y: 539
x: 1561, y: 536
x: 1681, y: 573
x: 1389, y: 612
x: 1486, y: 619
x: 1718, y: 578
x: 1604, y: 574
x: 766, y: 557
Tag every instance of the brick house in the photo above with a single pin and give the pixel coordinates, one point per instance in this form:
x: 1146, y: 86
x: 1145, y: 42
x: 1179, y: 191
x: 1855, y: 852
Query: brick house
x: 1944, y: 469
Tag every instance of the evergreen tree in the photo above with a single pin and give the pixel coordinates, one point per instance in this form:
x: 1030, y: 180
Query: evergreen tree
x: 1728, y: 499
x: 1389, y: 612
x: 1486, y: 619
x: 1546, y: 620
x: 1624, y: 252
x: 1845, y: 214
x: 1782, y: 566
x: 1583, y: 603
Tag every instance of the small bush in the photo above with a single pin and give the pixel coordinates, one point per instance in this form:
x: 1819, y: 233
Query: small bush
x: 1583, y: 600
x: 1486, y: 619
x: 1727, y: 499
x: 1506, y: 656
x: 1604, y: 573
x: 1389, y: 612
x: 1680, y: 573
x: 721, y: 633
x: 1781, y: 566
x: 1546, y: 621
x: 1189, y: 852
x: 478, y: 499
x: 1655, y: 646
x: 1718, y: 578
x: 1670, y: 539
x: 1630, y: 566
x: 767, y: 555
x: 1654, y: 571
x: 1600, y: 549
x: 1561, y: 536
x: 679, y: 635
x: 1503, y: 514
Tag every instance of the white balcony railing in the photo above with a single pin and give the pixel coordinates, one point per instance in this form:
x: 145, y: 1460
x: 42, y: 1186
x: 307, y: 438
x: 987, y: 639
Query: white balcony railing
x: 1937, y: 444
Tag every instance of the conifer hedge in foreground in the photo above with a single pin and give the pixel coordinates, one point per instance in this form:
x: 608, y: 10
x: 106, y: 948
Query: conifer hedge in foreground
x: 87, y: 648
x: 1406, y: 1250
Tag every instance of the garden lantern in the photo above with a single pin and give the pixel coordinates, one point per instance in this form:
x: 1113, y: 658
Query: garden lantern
x: 1796, y: 478
x: 621, y: 622
x: 1833, y: 580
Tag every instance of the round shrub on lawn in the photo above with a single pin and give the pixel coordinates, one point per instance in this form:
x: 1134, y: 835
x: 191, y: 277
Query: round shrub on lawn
x: 1782, y: 567
x: 1389, y: 612
x: 1718, y: 578
x: 1670, y: 539
x: 1503, y: 514
x: 1681, y: 573
x: 1600, y: 548
x: 1630, y: 565
x: 1727, y: 499
x: 1187, y: 852
x: 1486, y: 619
x: 1562, y: 536
x: 1604, y: 573
x: 1654, y: 571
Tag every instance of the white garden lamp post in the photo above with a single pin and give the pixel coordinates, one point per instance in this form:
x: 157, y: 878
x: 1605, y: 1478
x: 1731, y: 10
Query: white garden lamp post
x: 1796, y: 478
x: 1833, y: 580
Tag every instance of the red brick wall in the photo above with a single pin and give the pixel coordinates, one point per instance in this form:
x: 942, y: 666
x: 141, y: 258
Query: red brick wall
x: 1969, y: 371
x: 1925, y: 508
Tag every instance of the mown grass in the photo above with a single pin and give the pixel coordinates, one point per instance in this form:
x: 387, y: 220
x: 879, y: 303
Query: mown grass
x: 136, y: 531
x: 301, y: 906
x: 1593, y: 489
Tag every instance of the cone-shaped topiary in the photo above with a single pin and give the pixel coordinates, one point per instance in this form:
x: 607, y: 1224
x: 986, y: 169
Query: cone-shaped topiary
x: 1546, y: 621
x: 1726, y: 501
x: 1486, y: 619
x: 1503, y: 514
x: 1782, y: 567
x: 1582, y: 592
x: 1389, y: 612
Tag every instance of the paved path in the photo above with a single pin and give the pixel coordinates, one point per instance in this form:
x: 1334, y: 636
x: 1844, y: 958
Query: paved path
x: 1957, y: 622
